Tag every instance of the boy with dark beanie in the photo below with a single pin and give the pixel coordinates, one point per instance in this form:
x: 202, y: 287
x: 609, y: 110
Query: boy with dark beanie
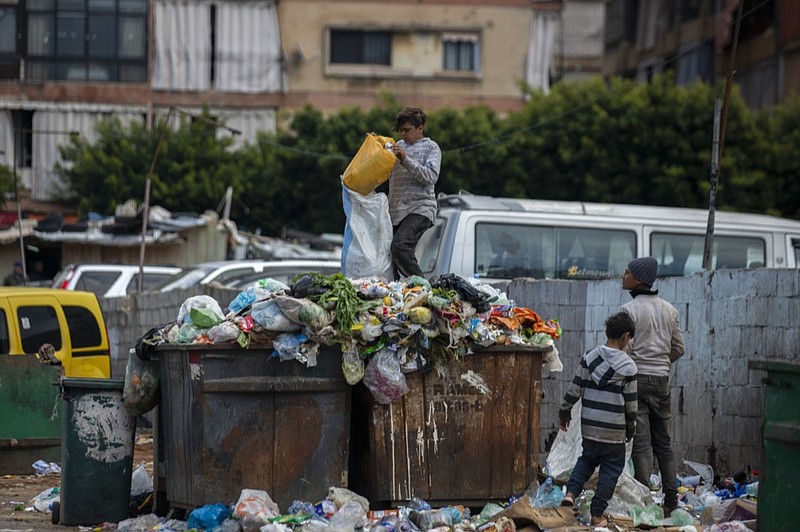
x: 658, y: 343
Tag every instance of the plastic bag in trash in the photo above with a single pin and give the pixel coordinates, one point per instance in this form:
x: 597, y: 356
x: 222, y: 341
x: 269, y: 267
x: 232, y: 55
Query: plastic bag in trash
x: 140, y: 481
x: 352, y: 364
x: 384, y: 378
x: 43, y: 502
x: 42, y: 467
x: 651, y: 514
x: 566, y: 449
x: 269, y: 316
x: 340, y: 496
x: 351, y: 515
x: 224, y: 333
x: 141, y: 391
x: 209, y: 516
x: 198, y: 302
x: 255, y: 502
x: 140, y: 523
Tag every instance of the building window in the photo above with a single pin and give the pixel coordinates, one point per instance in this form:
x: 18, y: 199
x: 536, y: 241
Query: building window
x: 9, y: 58
x: 460, y: 51
x: 87, y: 40
x: 361, y: 47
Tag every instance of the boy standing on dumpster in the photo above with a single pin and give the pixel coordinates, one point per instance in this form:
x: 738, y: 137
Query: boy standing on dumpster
x: 606, y: 384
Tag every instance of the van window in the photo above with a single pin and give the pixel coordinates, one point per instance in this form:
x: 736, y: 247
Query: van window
x: 428, y: 246
x: 38, y: 325
x: 506, y: 251
x: 83, y: 327
x: 682, y: 254
x: 5, y: 343
x: 97, y: 282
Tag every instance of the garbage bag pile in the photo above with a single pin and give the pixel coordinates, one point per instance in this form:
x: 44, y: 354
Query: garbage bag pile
x: 384, y: 329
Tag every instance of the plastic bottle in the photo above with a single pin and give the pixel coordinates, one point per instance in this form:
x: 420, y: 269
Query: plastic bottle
x: 548, y: 495
x: 752, y: 489
x: 418, y: 504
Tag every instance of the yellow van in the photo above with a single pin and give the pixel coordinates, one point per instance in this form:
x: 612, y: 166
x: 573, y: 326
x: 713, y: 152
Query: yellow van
x: 71, y: 321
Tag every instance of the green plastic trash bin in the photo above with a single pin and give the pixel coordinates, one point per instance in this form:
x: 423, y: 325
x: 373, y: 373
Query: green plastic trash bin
x: 97, y: 436
x: 780, y: 475
x: 30, y: 414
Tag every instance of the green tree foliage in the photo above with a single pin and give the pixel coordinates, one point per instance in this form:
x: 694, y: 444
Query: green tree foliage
x: 593, y: 140
x: 779, y: 157
x: 193, y: 169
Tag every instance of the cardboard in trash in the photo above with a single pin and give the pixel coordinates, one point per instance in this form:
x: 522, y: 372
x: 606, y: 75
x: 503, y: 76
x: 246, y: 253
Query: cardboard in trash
x: 524, y: 515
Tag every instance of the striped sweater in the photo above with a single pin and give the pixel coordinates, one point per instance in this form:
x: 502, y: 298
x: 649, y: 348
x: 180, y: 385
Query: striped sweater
x: 411, y: 185
x: 606, y: 384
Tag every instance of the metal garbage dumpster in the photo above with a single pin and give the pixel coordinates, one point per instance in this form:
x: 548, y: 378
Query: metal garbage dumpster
x: 465, y: 438
x: 232, y: 418
x: 97, y: 436
x: 30, y: 415
x: 780, y: 471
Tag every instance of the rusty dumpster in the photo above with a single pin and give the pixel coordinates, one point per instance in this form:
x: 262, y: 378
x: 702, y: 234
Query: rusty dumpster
x: 232, y: 418
x: 453, y: 439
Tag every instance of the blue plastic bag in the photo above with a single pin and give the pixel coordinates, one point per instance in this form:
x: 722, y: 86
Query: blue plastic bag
x: 209, y: 516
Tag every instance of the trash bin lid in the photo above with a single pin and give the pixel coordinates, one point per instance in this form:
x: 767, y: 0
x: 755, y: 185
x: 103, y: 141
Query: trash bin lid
x: 95, y: 384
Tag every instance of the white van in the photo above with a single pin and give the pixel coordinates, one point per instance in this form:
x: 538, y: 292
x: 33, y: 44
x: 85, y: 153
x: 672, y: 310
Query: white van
x: 503, y: 238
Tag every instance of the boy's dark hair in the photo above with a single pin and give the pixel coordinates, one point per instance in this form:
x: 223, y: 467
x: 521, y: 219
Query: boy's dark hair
x: 410, y: 115
x: 618, y: 324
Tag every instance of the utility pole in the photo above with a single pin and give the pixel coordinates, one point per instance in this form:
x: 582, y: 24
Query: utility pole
x: 720, y: 126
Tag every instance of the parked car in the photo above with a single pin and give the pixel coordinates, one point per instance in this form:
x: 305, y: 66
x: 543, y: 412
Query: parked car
x: 285, y: 271
x: 110, y: 280
x: 226, y: 272
x: 69, y: 321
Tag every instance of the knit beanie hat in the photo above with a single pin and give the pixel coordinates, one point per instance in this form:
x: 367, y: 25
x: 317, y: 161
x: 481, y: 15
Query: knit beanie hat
x: 644, y: 269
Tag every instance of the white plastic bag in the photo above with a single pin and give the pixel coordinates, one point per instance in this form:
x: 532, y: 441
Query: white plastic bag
x: 366, y: 250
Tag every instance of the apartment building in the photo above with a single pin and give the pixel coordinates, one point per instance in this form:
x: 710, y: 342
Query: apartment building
x: 66, y: 64
x: 693, y: 38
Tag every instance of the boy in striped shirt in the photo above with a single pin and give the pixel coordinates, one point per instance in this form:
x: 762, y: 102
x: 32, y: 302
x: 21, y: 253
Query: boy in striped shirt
x: 606, y: 384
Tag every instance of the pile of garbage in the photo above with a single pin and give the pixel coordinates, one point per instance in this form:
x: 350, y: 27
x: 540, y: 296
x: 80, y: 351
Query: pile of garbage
x: 384, y: 329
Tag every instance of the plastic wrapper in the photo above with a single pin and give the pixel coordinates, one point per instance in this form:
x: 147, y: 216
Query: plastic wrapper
x: 340, y: 496
x: 384, y: 377
x: 256, y: 503
x: 43, y: 502
x: 289, y: 346
x: 189, y: 332
x: 248, y: 297
x: 140, y: 390
x: 651, y: 515
x: 351, y: 515
x: 198, y: 302
x: 352, y: 364
x: 269, y: 316
x: 205, y: 317
x: 224, y: 333
x: 140, y: 481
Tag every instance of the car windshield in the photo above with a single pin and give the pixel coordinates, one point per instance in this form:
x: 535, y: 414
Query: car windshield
x: 184, y: 279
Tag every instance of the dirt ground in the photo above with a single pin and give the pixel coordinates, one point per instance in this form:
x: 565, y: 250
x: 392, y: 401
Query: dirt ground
x: 17, y: 492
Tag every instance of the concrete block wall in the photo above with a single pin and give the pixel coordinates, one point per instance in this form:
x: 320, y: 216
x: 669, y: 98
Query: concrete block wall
x: 727, y: 317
